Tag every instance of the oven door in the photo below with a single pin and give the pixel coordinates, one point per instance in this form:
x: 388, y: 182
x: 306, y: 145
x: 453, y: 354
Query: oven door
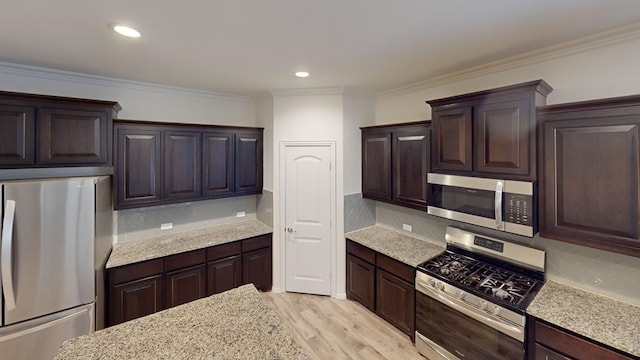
x: 444, y: 333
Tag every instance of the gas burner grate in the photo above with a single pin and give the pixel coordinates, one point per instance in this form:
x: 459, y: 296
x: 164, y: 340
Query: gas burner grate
x: 490, y: 280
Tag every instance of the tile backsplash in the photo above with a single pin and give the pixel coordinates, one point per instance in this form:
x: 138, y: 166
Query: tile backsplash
x: 264, y: 211
x: 145, y: 222
x: 358, y: 212
x: 606, y: 273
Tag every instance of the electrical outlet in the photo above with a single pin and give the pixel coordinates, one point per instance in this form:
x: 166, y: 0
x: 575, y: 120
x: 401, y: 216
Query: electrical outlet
x: 166, y: 226
x: 407, y: 227
x: 240, y: 214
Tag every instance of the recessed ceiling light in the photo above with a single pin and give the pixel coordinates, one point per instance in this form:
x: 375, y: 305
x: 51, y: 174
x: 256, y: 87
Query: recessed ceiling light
x: 302, y: 74
x: 126, y: 31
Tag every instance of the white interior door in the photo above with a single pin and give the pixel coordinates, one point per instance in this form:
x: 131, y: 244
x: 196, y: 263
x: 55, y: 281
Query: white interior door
x: 308, y: 193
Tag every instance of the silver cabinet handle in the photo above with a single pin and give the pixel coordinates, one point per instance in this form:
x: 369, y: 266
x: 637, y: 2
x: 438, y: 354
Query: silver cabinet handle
x: 7, y: 245
x: 498, y: 208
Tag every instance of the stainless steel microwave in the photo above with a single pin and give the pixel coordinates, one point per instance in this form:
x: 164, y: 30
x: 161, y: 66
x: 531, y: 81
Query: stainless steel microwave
x: 503, y: 205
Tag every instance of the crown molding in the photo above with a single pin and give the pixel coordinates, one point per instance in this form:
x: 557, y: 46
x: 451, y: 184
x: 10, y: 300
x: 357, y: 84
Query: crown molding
x: 603, y: 39
x: 337, y: 90
x: 83, y: 78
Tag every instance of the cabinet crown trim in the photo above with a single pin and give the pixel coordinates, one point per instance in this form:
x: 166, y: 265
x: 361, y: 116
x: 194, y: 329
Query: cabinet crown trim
x: 540, y: 86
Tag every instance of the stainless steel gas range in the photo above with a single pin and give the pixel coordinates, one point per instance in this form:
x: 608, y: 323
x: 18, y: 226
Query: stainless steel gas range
x: 471, y: 300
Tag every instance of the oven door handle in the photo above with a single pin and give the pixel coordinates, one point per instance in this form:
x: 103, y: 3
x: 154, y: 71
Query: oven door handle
x: 509, y: 330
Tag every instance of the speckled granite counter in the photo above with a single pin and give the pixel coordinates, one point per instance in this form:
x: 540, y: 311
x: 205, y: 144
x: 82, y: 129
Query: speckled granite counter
x: 237, y: 324
x: 602, y: 319
x: 404, y: 248
x: 130, y: 252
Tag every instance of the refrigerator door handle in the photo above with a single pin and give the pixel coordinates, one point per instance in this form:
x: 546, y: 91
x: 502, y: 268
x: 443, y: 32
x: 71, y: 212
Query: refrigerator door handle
x: 6, y: 257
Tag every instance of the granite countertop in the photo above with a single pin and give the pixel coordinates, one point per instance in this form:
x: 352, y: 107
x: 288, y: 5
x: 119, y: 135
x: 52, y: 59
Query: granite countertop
x: 129, y: 252
x: 600, y: 318
x: 237, y: 324
x: 404, y: 248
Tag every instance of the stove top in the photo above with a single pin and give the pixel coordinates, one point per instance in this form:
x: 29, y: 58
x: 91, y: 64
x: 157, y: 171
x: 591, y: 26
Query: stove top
x: 495, y: 283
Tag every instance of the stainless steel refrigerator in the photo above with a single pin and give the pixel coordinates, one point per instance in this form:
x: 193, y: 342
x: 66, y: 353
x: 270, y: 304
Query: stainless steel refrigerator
x: 56, y: 236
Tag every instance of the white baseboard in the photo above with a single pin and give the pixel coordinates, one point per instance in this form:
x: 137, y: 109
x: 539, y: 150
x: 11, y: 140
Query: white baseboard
x: 340, y: 296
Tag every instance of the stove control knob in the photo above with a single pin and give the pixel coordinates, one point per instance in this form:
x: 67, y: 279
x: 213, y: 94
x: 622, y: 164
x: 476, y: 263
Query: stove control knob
x: 461, y: 294
x: 432, y: 282
x: 496, y: 310
x: 440, y: 286
x: 485, y: 306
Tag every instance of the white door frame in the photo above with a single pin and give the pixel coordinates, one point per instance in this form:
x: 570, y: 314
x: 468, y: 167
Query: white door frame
x: 282, y: 201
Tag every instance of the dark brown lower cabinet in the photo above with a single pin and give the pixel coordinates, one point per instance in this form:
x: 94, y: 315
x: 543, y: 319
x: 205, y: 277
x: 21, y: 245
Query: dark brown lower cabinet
x: 257, y: 268
x: 140, y: 289
x: 382, y: 285
x: 135, y: 299
x: 361, y: 282
x: 395, y: 301
x: 185, y: 285
x: 546, y: 341
x: 224, y: 274
x: 543, y: 353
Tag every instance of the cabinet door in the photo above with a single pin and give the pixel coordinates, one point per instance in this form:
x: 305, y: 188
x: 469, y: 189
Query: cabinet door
x: 591, y: 181
x: 411, y: 158
x: 504, y: 136
x: 257, y: 268
x: 395, y: 301
x: 73, y: 137
x: 185, y: 285
x: 135, y: 299
x: 542, y: 353
x: 452, y: 140
x: 217, y: 164
x: 138, y: 166
x: 376, y: 164
x: 17, y: 135
x: 248, y: 162
x: 224, y: 274
x: 361, y: 281
x: 182, y: 164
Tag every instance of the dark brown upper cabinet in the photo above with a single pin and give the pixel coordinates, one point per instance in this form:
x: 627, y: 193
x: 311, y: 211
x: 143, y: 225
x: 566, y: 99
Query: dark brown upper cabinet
x: 489, y: 133
x: 17, y: 135
x: 395, y: 163
x: 217, y: 163
x: 376, y: 164
x: 138, y: 165
x: 160, y: 163
x: 51, y: 131
x: 590, y: 174
x: 248, y: 161
x: 182, y: 164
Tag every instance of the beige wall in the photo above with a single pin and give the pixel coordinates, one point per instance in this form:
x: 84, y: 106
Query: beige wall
x: 587, y: 72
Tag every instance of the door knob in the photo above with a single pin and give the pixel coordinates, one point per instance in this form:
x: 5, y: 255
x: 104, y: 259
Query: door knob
x: 291, y: 231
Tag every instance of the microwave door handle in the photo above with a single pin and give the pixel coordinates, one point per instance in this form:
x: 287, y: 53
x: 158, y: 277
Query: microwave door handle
x: 498, y: 205
x: 6, y: 250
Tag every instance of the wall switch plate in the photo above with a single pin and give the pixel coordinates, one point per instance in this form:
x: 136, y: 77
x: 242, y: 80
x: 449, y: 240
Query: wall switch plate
x: 166, y: 226
x: 407, y: 227
x: 240, y: 214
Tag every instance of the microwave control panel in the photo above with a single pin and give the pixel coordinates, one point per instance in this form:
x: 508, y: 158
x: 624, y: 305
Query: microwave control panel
x: 519, y: 209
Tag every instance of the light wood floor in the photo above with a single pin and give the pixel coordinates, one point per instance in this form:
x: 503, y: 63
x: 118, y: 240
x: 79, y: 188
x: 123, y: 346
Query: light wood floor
x: 340, y: 329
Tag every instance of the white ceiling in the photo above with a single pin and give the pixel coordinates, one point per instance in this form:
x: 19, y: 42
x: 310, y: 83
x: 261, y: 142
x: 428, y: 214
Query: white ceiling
x: 250, y: 46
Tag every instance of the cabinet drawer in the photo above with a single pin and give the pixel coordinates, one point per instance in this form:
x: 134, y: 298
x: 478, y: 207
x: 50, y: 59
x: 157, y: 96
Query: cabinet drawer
x: 403, y: 271
x: 136, y: 271
x: 223, y: 251
x: 572, y: 345
x: 256, y: 243
x: 360, y: 251
x: 183, y: 260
